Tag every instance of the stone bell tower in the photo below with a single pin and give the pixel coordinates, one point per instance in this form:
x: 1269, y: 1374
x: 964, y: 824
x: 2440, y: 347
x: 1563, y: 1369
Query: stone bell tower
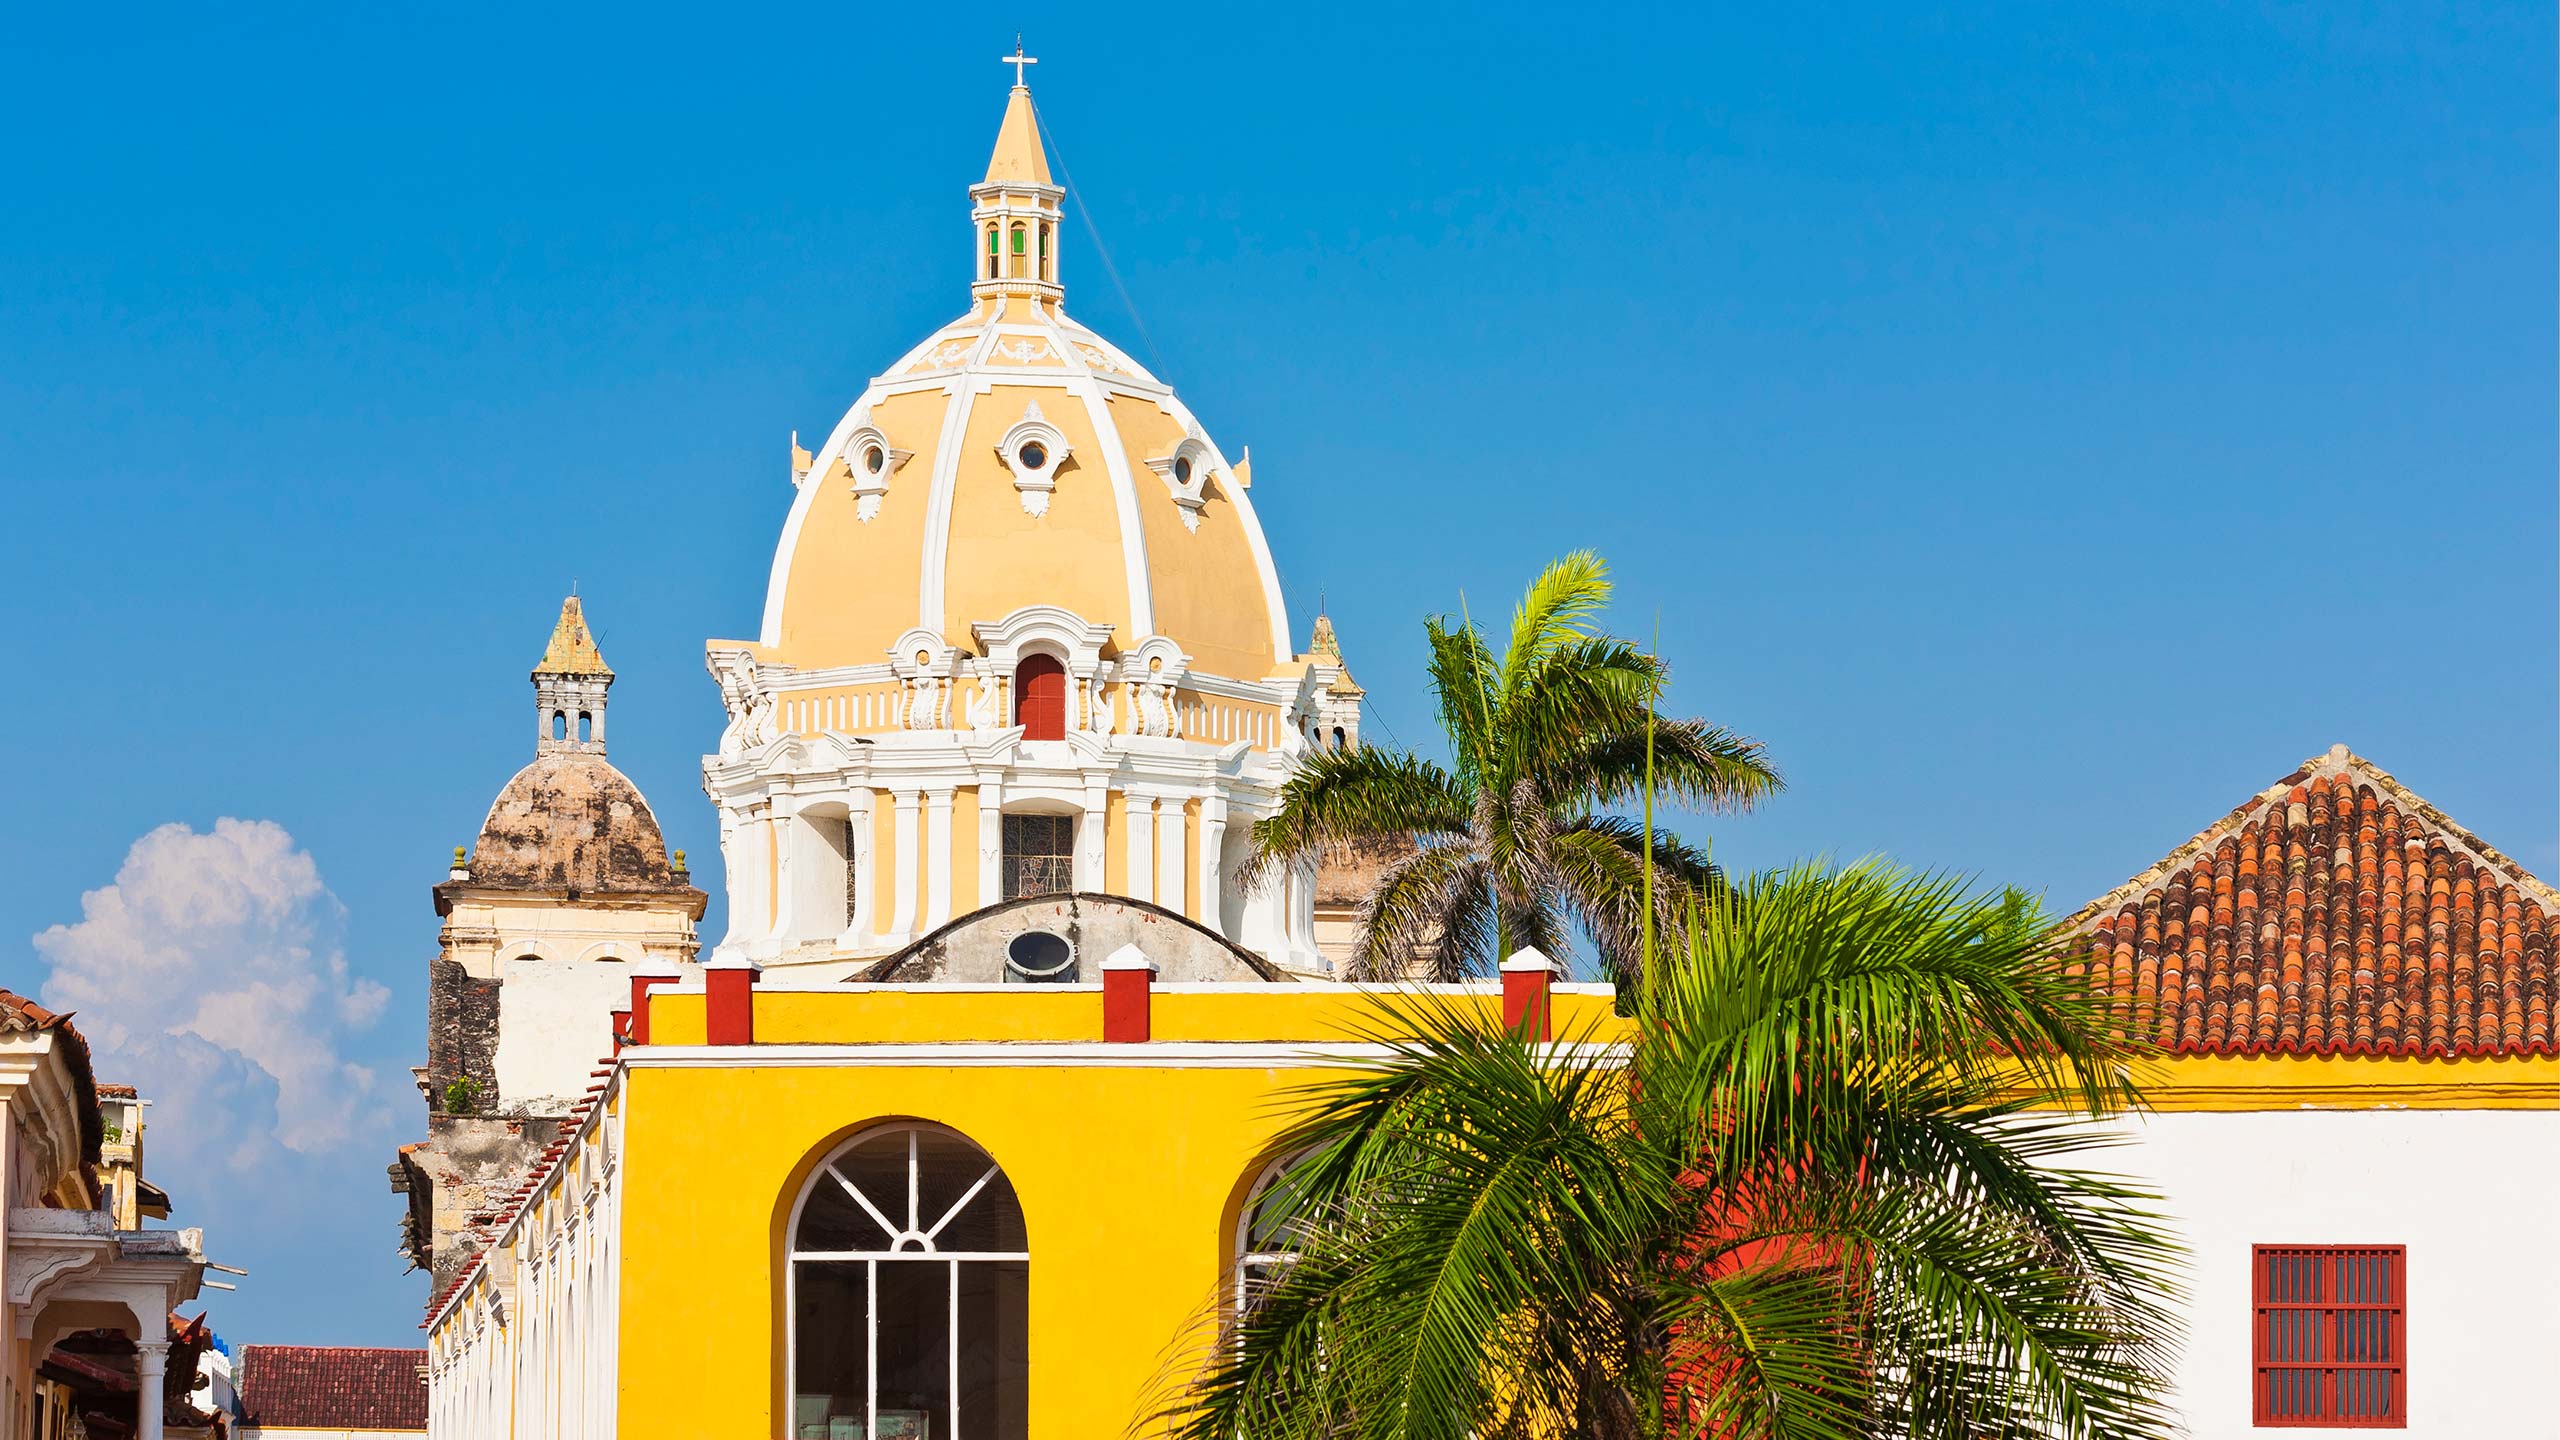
x: 568, y: 891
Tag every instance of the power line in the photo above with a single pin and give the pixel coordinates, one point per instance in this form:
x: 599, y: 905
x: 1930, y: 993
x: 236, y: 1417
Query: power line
x: 1041, y: 118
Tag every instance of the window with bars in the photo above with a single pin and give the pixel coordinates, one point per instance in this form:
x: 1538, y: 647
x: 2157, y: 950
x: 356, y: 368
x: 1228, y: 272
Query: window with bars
x: 2329, y: 1337
x: 1039, y: 855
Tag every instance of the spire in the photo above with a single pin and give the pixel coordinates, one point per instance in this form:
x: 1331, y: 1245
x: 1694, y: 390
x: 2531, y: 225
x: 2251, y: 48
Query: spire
x: 1015, y: 219
x: 569, y: 683
x: 1019, y: 159
x: 572, y: 650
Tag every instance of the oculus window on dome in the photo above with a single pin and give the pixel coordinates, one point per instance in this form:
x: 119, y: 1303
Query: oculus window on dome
x: 1033, y: 449
x: 1186, y: 473
x: 870, y: 459
x: 910, y: 1293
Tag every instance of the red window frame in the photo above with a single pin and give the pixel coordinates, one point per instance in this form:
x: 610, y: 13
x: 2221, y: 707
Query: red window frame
x: 2328, y: 1337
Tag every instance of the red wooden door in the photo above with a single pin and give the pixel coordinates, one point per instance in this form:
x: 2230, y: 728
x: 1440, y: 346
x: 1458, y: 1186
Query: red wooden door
x: 1040, y: 698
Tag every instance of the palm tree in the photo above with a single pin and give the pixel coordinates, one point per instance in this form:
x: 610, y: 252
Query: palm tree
x: 1827, y: 1185
x: 1513, y: 839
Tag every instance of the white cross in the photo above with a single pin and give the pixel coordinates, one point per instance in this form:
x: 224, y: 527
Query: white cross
x: 1017, y: 60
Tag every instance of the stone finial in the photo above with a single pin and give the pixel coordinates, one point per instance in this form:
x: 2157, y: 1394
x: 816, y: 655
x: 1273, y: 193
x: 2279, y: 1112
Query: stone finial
x: 1323, y: 641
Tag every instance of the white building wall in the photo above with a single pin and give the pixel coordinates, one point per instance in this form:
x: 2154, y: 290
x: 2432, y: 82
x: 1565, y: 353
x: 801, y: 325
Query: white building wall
x: 540, y: 1356
x: 2473, y: 1194
x: 554, y: 1018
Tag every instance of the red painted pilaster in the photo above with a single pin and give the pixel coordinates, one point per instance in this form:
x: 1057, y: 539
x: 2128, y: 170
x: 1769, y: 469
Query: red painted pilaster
x: 1526, y: 978
x: 730, y: 1003
x: 642, y: 982
x: 1128, y: 996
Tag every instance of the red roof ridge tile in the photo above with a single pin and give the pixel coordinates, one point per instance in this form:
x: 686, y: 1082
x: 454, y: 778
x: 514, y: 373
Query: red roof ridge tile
x: 2337, y: 760
x: 2334, y: 913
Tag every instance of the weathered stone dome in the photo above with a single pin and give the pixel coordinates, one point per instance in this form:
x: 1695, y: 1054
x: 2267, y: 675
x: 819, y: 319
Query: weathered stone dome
x: 572, y: 822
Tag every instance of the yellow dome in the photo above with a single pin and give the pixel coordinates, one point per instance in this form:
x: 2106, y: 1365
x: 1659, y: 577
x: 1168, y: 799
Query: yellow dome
x: 1015, y: 458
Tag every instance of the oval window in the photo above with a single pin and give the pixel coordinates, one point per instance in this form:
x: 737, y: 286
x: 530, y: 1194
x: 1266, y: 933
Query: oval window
x: 1033, y: 454
x: 874, y: 458
x: 1040, y: 957
x: 1181, y: 469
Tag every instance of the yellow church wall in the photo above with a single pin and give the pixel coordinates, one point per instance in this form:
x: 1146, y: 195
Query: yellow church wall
x: 884, y: 860
x: 1191, y: 867
x: 1124, y: 1222
x: 1207, y: 586
x: 1001, y: 558
x: 842, y: 565
x: 1205, y: 1013
x: 1115, y: 843
x: 1130, y: 1224
x: 2351, y: 1082
x: 964, y: 850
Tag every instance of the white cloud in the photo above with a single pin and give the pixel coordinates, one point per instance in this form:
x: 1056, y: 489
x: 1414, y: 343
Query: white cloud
x: 210, y: 975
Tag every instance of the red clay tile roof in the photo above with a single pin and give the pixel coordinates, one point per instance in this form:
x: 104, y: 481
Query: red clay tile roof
x: 17, y: 1012
x: 116, y: 1092
x: 2335, y: 913
x: 332, y: 1387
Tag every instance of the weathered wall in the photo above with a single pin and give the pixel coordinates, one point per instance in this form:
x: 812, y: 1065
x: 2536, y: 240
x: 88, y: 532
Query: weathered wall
x: 462, y: 1032
x: 972, y: 951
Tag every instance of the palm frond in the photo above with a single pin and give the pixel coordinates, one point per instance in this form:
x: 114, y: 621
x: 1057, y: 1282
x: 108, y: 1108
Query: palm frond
x: 1435, y: 905
x: 1695, y: 763
x: 1365, y: 792
x: 1555, y: 611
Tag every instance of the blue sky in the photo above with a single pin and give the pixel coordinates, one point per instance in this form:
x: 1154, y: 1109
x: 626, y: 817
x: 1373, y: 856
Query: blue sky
x: 2043, y: 425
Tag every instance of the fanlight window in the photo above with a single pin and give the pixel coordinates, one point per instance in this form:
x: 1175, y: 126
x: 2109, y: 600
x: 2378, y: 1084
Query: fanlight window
x: 1266, y: 1233
x: 910, y: 1294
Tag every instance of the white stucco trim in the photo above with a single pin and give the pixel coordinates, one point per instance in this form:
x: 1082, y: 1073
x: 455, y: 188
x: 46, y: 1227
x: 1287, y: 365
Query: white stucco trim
x: 1124, y: 488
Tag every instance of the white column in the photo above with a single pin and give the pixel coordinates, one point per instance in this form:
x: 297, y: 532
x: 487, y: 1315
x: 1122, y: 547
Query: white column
x: 902, y: 917
x: 937, y: 858
x: 1213, y: 840
x: 862, y: 922
x: 990, y: 842
x: 789, y: 860
x: 1170, y: 859
x: 1090, y: 839
x: 1142, y: 846
x: 151, y: 1363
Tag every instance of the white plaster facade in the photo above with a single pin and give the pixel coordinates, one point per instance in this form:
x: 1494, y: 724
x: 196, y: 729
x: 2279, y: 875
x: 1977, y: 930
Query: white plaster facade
x: 2474, y: 1195
x: 1162, y: 772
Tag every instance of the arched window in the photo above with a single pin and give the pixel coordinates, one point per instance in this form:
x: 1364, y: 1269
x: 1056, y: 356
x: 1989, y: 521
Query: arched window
x: 1044, y: 251
x: 910, y: 1293
x: 559, y: 724
x: 586, y: 727
x: 1338, y: 741
x: 1265, y: 1232
x: 1017, y: 252
x: 991, y: 252
x: 1040, y: 697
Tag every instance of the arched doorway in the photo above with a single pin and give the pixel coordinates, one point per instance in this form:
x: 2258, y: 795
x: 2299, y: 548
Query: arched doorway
x: 1040, y: 697
x: 910, y: 1292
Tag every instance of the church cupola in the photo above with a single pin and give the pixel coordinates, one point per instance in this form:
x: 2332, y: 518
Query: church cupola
x: 1017, y: 215
x: 569, y: 684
